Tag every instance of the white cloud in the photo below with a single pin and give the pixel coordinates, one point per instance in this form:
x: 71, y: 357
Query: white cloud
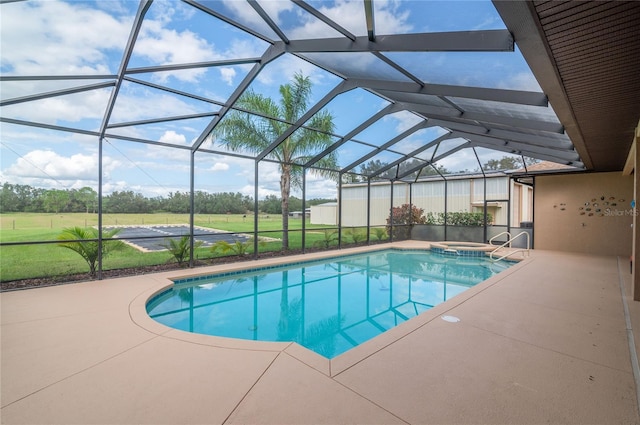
x: 173, y: 138
x: 263, y: 192
x: 164, y: 46
x: 91, y: 41
x: 404, y: 120
x: 311, y: 28
x: 46, y: 168
x: 35, y: 41
x: 19, y: 138
x: 268, y: 175
x: 166, y: 10
x: 40, y: 163
x: 227, y: 74
x: 462, y: 160
x: 350, y: 14
x: 317, y: 189
x: 249, y: 17
x: 169, y: 161
x: 389, y: 19
x: 220, y: 166
x: 282, y: 70
x: 140, y: 104
x: 117, y: 186
x: 72, y: 108
x: 243, y: 48
x: 320, y: 187
x: 275, y: 8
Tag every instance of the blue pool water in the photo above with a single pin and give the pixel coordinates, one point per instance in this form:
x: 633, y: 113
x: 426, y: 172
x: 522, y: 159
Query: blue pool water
x: 328, y: 306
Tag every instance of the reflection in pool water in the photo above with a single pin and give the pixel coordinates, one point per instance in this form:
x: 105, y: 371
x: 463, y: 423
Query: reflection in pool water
x: 328, y: 306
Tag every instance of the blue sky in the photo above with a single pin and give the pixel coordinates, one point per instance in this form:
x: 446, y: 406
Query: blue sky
x: 88, y: 38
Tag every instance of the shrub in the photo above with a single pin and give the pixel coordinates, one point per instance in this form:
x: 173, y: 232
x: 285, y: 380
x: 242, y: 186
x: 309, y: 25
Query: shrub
x: 356, y: 235
x: 75, y: 239
x: 436, y: 219
x: 403, y: 218
x: 181, y: 248
x: 330, y: 237
x: 237, y: 247
x: 380, y: 233
x: 459, y: 218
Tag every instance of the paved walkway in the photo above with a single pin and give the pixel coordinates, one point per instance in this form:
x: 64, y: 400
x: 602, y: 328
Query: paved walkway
x: 543, y: 342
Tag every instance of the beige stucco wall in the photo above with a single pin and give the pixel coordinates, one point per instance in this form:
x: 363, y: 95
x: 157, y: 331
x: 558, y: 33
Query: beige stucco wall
x: 561, y: 219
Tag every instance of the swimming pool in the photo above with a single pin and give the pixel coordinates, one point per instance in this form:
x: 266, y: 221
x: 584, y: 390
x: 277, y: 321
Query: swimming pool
x: 328, y: 306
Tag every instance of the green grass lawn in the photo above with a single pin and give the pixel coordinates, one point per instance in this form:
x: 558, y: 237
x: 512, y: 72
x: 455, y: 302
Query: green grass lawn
x: 51, y: 260
x: 15, y: 223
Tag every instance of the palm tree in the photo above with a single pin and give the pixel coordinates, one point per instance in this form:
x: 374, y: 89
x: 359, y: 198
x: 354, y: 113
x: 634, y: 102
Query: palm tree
x: 75, y: 239
x: 243, y: 131
x: 180, y: 249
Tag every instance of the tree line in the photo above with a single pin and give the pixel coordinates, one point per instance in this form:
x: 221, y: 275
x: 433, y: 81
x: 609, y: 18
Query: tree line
x: 416, y: 168
x: 25, y: 198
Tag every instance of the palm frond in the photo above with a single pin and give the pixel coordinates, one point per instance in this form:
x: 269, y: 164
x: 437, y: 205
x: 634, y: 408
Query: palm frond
x: 83, y: 241
x: 180, y: 248
x: 295, y: 97
x: 254, y: 132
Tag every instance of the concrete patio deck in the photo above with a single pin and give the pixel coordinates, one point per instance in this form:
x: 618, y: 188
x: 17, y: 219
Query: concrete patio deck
x: 546, y: 341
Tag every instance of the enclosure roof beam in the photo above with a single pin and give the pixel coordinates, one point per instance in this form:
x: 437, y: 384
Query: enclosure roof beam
x: 231, y: 154
x: 89, y: 133
x: 128, y: 51
x: 181, y: 66
x: 434, y: 160
x: 265, y: 17
x: 402, y: 91
x: 567, y: 154
x: 398, y: 68
x: 391, y: 108
x: 49, y: 126
x: 159, y: 120
x: 55, y: 77
x: 412, y: 154
x: 309, y: 9
x: 174, y: 91
x: 504, y: 134
x: 458, y: 41
x: 480, y: 93
x: 371, y: 24
x: 344, y: 86
x: 228, y: 20
x: 62, y: 92
x: 108, y: 136
x: 390, y: 143
x: 479, y: 117
x: 272, y: 53
x: 511, y: 150
x: 203, y: 99
x: 475, y: 153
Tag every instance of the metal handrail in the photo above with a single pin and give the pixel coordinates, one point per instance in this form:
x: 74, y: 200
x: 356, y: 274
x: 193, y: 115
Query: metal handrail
x: 509, y: 243
x: 500, y: 234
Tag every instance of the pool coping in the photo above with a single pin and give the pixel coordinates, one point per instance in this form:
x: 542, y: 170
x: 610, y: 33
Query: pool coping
x: 546, y: 342
x: 329, y: 367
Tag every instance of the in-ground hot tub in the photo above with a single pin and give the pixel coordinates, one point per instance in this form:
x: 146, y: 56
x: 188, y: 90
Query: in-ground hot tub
x: 465, y: 249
